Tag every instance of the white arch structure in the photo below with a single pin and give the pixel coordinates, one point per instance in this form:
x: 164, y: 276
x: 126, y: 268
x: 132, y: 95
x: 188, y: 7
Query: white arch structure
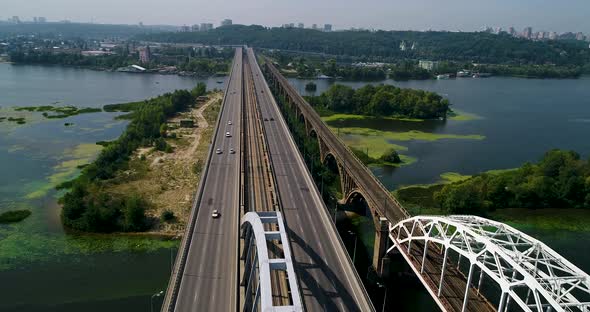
x: 258, y: 265
x: 528, y: 273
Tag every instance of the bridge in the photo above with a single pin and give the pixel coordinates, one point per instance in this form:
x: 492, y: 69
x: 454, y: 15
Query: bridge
x: 286, y: 254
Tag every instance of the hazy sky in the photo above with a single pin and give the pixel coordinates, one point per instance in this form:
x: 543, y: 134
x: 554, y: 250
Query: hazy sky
x: 554, y: 15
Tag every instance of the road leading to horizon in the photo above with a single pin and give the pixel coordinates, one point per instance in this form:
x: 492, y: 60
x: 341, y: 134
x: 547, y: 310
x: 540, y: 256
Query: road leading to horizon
x: 210, y: 278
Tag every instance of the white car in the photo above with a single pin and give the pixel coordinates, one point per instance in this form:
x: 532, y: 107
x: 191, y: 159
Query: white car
x: 215, y: 214
x: 229, y: 123
x: 227, y: 134
x: 232, y: 151
x: 218, y: 151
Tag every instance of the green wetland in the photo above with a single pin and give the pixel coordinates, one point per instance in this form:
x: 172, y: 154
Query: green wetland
x: 44, y: 267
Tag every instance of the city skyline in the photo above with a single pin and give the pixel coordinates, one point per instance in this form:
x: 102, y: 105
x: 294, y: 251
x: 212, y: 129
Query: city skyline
x: 460, y: 15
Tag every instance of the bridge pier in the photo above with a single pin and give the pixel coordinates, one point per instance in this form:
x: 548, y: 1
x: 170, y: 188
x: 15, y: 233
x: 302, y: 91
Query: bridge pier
x: 380, y: 259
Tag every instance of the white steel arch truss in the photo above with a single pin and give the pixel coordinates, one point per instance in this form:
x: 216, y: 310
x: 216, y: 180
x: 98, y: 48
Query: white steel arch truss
x: 529, y: 273
x: 258, y: 265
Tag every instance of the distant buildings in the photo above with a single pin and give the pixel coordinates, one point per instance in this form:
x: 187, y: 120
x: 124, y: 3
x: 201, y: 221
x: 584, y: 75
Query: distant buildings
x: 226, y: 22
x: 15, y: 20
x: 39, y: 20
x: 206, y: 26
x: 428, y: 65
x: 527, y: 33
x: 314, y: 26
x: 195, y: 27
x: 185, y: 28
x: 328, y: 27
x: 145, y: 55
x: 300, y: 25
x: 580, y: 36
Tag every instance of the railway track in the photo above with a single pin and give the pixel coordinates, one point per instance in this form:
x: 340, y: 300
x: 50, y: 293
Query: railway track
x: 260, y: 191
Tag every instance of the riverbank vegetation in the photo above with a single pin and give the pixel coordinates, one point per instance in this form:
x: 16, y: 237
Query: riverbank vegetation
x: 552, y: 193
x: 169, y: 60
x: 561, y: 179
x: 382, y: 101
x: 87, y: 206
x: 14, y: 216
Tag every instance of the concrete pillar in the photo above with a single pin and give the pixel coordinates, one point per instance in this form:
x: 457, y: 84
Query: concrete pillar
x: 380, y: 262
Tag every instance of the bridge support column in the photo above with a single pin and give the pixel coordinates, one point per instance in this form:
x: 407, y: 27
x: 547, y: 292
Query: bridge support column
x: 380, y: 261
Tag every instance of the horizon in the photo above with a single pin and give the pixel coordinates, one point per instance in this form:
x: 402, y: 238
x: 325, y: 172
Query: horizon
x: 421, y: 15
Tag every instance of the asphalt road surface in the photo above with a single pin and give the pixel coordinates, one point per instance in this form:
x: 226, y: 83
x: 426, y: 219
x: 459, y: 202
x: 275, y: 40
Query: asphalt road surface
x: 327, y: 278
x: 210, y: 278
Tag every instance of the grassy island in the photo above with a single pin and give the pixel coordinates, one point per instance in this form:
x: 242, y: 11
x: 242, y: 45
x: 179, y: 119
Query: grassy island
x: 58, y: 111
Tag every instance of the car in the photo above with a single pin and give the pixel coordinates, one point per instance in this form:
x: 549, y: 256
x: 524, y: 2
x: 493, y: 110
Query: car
x: 227, y: 134
x: 261, y: 91
x: 229, y: 123
x: 272, y: 119
x: 218, y: 151
x: 265, y: 119
x: 215, y: 214
x: 232, y: 151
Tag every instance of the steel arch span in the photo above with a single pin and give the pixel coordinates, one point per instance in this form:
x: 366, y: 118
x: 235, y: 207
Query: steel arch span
x: 259, y: 265
x: 526, y: 272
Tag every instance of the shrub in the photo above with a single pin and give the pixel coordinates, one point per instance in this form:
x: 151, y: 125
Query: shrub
x: 167, y: 216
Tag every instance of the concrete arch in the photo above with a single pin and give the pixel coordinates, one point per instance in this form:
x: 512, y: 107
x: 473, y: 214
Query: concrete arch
x: 312, y: 133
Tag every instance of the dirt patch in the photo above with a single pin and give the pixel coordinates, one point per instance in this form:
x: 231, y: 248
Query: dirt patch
x: 168, y: 181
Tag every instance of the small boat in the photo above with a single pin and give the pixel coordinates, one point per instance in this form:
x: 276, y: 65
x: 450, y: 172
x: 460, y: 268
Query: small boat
x: 443, y: 76
x: 219, y: 81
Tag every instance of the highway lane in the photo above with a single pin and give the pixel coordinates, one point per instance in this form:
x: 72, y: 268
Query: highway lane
x: 209, y: 281
x: 326, y: 275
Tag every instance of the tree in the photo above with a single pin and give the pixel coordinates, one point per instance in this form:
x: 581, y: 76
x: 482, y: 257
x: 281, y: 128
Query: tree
x: 391, y: 156
x: 134, y: 214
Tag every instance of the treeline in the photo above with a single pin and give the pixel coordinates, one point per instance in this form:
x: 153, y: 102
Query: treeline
x: 384, y: 46
x: 533, y: 71
x: 560, y: 180
x: 87, y: 206
x: 382, y: 101
x: 72, y: 59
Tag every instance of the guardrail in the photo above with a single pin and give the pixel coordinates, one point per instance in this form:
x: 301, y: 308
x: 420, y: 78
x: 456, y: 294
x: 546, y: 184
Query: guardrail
x: 348, y: 159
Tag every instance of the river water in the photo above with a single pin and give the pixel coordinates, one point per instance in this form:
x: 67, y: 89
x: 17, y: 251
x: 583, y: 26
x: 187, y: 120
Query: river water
x: 519, y: 120
x: 42, y: 268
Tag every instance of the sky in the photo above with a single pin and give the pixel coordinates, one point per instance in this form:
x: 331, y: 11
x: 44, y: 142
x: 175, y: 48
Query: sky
x: 453, y: 15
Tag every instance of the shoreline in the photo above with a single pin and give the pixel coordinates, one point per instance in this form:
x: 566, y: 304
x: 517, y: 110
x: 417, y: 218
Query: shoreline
x: 166, y: 73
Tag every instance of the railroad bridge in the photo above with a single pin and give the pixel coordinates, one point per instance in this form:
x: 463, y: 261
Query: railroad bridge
x: 356, y: 180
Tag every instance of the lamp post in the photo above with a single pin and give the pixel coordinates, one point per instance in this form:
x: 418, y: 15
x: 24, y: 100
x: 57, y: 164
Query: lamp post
x: 384, y: 296
x: 152, y: 299
x: 354, y: 251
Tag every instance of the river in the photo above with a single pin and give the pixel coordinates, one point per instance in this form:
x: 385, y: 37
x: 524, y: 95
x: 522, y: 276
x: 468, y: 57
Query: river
x: 43, y: 268
x: 515, y: 121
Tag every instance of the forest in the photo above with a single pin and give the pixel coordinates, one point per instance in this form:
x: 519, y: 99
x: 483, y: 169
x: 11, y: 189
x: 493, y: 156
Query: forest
x: 381, y: 101
x: 86, y: 206
x: 477, y: 47
x: 561, y: 179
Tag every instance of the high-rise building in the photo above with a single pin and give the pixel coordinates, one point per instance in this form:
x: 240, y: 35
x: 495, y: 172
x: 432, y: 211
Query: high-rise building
x: 314, y: 26
x: 195, y: 27
x: 580, y: 36
x: 527, y: 32
x: 327, y: 27
x: 300, y: 25
x: 206, y: 26
x: 145, y: 55
x: 512, y: 31
x: 185, y: 28
x: 15, y: 19
x: 552, y: 36
x: 226, y: 22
